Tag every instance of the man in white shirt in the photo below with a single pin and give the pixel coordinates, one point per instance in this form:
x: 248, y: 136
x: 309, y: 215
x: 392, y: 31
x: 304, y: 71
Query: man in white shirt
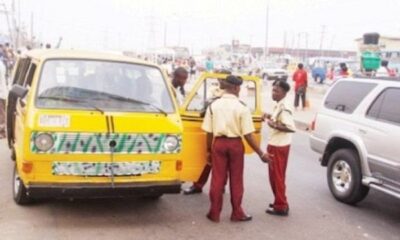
x: 179, y: 80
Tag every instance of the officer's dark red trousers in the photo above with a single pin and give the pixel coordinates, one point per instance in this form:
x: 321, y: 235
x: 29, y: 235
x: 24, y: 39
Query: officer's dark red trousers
x: 277, y: 175
x: 227, y: 157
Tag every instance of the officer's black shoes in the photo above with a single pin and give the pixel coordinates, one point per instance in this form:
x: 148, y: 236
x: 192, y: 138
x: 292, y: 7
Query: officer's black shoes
x: 271, y: 205
x: 192, y: 190
x: 282, y: 213
x: 245, y: 218
x: 212, y: 219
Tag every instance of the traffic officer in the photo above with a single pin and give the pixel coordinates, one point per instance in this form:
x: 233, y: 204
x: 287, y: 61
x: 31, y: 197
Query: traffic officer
x: 227, y: 120
x: 197, y: 187
x: 282, y: 126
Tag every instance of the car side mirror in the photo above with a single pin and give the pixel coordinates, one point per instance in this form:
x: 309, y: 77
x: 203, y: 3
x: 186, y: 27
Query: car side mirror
x: 18, y: 91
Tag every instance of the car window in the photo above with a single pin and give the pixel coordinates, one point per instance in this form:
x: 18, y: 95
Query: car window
x: 22, y: 69
x: 386, y: 106
x: 111, y: 86
x: 29, y: 77
x: 210, y: 90
x: 346, y: 96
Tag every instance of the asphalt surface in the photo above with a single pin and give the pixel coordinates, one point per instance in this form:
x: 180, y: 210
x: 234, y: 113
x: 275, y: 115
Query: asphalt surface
x: 314, y: 213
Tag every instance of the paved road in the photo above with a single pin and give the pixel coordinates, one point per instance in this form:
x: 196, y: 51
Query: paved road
x: 314, y: 213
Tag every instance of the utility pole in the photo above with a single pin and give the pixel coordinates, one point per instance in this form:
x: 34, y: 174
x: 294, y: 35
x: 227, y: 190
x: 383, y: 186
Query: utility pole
x: 180, y: 32
x: 266, y: 52
x: 165, y: 33
x: 15, y: 26
x: 322, y: 40
x: 332, y: 40
x: 6, y: 14
x: 284, y: 43
x: 306, y: 51
x: 32, y: 34
x: 298, y: 45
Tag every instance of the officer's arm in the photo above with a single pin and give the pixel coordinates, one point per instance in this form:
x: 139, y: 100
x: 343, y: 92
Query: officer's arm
x: 264, y: 156
x: 280, y: 127
x: 252, y: 143
x: 286, y: 123
x: 210, y: 137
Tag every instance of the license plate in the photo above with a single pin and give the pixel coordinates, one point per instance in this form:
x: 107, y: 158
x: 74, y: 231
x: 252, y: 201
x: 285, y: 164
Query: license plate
x: 106, y: 169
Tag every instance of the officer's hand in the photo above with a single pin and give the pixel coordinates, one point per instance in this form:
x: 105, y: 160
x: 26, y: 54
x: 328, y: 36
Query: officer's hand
x: 209, y: 162
x: 271, y: 124
x: 267, y: 157
x: 266, y: 116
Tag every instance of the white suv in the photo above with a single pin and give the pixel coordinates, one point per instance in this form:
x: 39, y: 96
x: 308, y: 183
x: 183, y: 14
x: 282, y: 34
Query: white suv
x: 357, y: 132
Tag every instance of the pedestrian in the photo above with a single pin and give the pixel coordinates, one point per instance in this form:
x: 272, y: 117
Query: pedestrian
x: 9, y: 61
x: 2, y: 52
x: 282, y: 126
x: 344, y: 71
x: 227, y: 120
x: 384, y: 70
x: 197, y: 187
x: 192, y: 65
x: 3, y: 96
x: 209, y: 64
x: 166, y: 67
x: 300, y: 86
x: 179, y: 80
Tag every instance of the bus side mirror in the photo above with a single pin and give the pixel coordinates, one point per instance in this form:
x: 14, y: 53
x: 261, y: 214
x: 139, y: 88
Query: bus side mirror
x: 18, y: 91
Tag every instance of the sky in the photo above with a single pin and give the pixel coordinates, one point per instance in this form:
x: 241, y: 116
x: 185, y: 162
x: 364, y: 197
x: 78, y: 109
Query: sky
x: 138, y: 25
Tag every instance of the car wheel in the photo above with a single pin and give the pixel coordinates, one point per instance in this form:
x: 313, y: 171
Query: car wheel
x: 19, y: 190
x: 345, y: 177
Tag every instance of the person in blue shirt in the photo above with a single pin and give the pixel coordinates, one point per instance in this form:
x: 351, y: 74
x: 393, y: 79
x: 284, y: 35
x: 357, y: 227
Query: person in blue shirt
x: 209, y: 65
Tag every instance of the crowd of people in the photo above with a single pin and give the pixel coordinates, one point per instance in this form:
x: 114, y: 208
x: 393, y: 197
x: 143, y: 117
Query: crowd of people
x: 8, y: 57
x: 7, y: 60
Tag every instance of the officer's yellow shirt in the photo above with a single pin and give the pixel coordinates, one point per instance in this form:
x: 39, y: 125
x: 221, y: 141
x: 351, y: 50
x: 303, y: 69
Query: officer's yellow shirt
x: 227, y: 116
x: 282, y: 113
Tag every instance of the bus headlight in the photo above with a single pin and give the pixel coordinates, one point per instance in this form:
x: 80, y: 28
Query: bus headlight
x: 171, y: 143
x: 44, y: 142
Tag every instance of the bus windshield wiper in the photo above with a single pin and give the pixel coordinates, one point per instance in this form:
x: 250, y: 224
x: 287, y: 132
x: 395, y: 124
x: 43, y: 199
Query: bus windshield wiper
x: 131, y: 100
x: 73, y: 100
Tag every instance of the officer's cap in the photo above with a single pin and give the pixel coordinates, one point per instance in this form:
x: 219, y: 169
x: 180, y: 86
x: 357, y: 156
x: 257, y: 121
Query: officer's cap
x: 234, y: 80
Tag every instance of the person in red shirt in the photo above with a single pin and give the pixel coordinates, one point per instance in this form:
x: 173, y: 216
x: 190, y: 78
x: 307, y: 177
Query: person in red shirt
x: 300, y: 86
x: 344, y: 71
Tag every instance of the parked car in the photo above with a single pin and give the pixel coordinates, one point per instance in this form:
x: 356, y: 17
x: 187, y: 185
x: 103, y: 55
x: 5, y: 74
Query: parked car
x: 318, y: 74
x: 273, y: 71
x: 84, y: 124
x: 356, y: 131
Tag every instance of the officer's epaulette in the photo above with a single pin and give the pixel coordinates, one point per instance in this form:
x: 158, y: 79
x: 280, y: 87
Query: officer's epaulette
x: 208, y: 105
x: 287, y: 110
x: 213, y: 100
x: 243, y: 103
